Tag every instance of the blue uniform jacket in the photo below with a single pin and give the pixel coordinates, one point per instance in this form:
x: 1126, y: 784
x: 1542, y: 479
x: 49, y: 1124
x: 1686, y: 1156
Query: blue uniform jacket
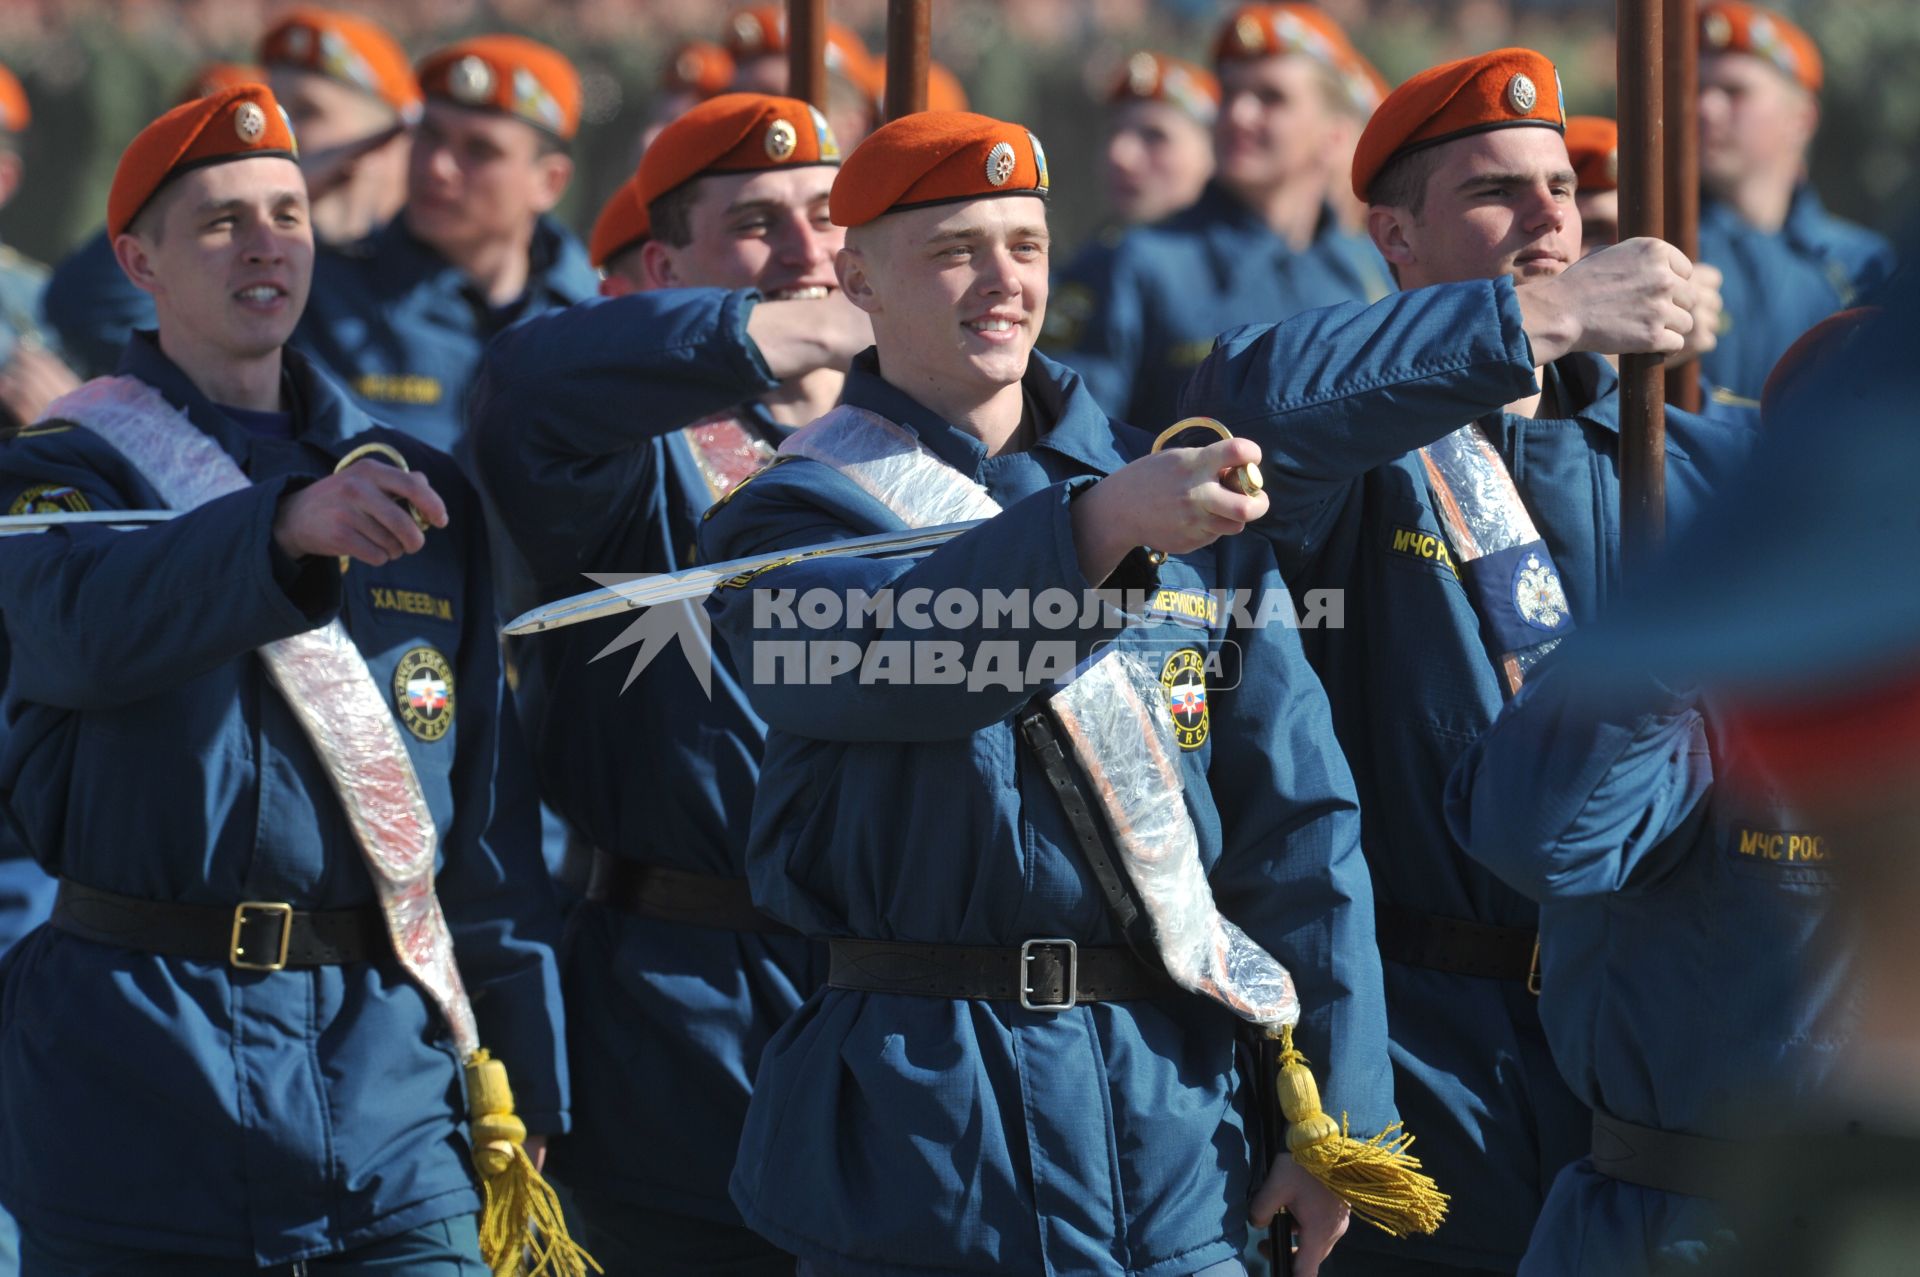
x: 1136, y: 318
x: 93, y: 307
x: 898, y: 1134
x: 402, y: 328
x: 1694, y: 977
x: 576, y: 419
x: 1338, y: 400
x: 1781, y: 283
x: 186, y: 1106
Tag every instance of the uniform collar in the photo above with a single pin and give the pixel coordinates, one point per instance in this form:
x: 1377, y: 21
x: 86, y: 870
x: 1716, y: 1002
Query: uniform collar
x: 1073, y: 425
x: 558, y: 273
x: 322, y: 415
x: 1221, y: 209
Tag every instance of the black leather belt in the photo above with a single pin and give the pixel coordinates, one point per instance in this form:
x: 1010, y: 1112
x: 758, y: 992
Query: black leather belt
x: 1692, y: 1165
x: 1458, y: 946
x: 674, y: 895
x: 1041, y: 975
x: 254, y: 935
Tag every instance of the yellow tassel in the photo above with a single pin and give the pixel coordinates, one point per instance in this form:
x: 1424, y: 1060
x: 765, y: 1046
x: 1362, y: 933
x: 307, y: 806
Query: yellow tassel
x: 1378, y: 1178
x: 522, y: 1232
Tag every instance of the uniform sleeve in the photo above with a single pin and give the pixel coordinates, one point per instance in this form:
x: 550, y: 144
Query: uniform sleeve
x: 205, y: 587
x: 566, y: 403
x: 1330, y: 394
x: 493, y: 883
x: 876, y: 673
x: 1291, y: 872
x: 1094, y: 323
x: 1569, y: 795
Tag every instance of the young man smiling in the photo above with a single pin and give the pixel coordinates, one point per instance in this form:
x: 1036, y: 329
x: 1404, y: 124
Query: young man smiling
x: 991, y: 1082
x: 604, y: 431
x: 1449, y: 459
x: 214, y: 1060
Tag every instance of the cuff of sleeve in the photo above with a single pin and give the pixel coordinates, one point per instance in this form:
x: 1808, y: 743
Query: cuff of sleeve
x: 302, y: 593
x: 548, y: 1122
x: 1514, y: 341
x: 745, y: 354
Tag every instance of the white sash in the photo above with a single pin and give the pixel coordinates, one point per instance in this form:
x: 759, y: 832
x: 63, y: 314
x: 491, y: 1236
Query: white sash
x: 325, y: 681
x: 1116, y: 720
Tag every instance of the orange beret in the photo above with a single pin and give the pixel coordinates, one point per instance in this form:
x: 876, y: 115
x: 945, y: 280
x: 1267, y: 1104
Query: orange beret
x: 936, y: 157
x: 241, y: 123
x: 761, y: 31
x: 508, y: 73
x: 215, y: 76
x: 1502, y: 89
x: 1274, y: 30
x: 1727, y: 26
x: 699, y: 67
x: 622, y: 224
x: 1593, y: 141
x: 1155, y: 77
x: 347, y: 48
x: 736, y: 133
x: 14, y: 113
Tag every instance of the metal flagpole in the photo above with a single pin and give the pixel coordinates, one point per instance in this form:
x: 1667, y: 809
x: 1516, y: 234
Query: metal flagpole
x: 1643, y: 421
x: 1682, y: 88
x: 909, y: 39
x: 807, y: 51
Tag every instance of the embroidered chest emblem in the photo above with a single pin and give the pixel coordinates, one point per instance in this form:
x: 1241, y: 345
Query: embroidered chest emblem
x: 1185, y: 678
x: 423, y: 692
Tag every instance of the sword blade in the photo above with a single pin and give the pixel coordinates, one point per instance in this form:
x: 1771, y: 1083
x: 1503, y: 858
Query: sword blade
x: 697, y: 583
x: 18, y: 524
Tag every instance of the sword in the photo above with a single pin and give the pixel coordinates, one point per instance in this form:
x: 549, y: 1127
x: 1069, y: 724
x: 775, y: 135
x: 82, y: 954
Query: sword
x: 19, y: 524
x: 697, y: 583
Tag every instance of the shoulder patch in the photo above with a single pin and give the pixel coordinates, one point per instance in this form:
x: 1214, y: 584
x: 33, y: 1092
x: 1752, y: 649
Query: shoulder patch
x: 423, y: 692
x: 50, y: 498
x: 1426, y: 547
x: 779, y: 459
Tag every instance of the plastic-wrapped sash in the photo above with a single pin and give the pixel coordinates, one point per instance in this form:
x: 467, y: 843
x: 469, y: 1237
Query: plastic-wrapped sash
x: 1504, y: 564
x: 325, y: 681
x: 1114, y: 715
x: 725, y: 452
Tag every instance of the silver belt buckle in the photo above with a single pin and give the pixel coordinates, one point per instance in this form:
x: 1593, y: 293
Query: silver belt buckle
x: 1073, y: 976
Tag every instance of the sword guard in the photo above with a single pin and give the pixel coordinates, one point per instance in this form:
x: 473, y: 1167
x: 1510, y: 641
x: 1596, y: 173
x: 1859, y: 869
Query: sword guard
x: 1246, y: 480
x: 391, y: 455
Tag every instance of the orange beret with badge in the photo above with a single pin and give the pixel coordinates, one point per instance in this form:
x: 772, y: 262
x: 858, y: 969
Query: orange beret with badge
x: 623, y: 224
x: 242, y: 123
x: 1276, y: 30
x: 1593, y: 143
x: 346, y: 48
x: 509, y: 74
x: 736, y: 133
x: 936, y: 157
x: 1156, y: 77
x: 14, y: 112
x: 761, y: 31
x: 1507, y: 88
x: 213, y: 77
x: 698, y: 67
x: 1727, y: 26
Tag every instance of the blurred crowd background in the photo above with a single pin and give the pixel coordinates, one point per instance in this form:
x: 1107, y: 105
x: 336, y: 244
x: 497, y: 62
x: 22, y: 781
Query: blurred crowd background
x: 97, y: 70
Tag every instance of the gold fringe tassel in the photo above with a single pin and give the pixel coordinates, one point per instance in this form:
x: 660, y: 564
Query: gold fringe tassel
x: 522, y: 1232
x: 1378, y: 1178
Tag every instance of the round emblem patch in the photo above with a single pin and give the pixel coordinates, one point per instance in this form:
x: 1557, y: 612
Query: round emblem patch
x: 1521, y: 95
x: 1143, y: 73
x: 1538, y: 596
x: 1718, y: 30
x: 249, y: 122
x: 1249, y: 35
x: 470, y: 80
x: 1185, y: 678
x: 423, y: 692
x: 1000, y: 163
x: 50, y: 498
x: 782, y: 137
x: 746, y: 33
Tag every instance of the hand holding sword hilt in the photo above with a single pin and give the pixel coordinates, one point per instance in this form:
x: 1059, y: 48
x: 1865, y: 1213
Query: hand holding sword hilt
x: 1246, y: 480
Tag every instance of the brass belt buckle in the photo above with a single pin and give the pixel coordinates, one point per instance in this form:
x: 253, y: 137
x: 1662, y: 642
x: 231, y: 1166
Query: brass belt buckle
x: 1533, y: 968
x: 237, y: 956
x: 1072, y: 982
